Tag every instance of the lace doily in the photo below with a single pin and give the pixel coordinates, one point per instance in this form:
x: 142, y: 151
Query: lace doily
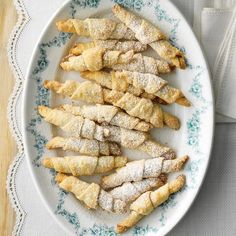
x: 23, y: 19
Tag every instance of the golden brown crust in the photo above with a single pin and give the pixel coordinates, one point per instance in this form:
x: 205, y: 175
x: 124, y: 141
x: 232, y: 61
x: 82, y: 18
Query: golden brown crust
x: 108, y: 114
x: 147, y: 33
x: 148, y: 201
x: 77, y: 126
x: 84, y: 165
x: 114, y: 45
x: 137, y: 170
x: 144, y: 64
x: 130, y: 191
x: 128, y: 222
x: 66, y: 26
x: 96, y: 28
x: 79, y: 48
x: 90, y: 194
x: 142, y: 108
x: 184, y: 102
x: 85, y: 146
x: 138, y: 107
x: 94, y: 59
x: 140, y: 141
x: 169, y: 53
x: 139, y: 84
x: 127, y: 138
x: 170, y: 121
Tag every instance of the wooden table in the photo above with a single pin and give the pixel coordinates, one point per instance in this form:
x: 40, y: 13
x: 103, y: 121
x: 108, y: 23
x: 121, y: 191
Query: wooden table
x: 8, y: 17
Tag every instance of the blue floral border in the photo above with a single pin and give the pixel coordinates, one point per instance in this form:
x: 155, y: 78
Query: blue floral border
x: 42, y: 98
x: 82, y: 4
x: 42, y: 94
x: 194, y: 123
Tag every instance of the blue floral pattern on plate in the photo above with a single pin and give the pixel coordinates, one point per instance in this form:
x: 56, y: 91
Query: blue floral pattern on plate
x: 132, y: 4
x: 75, y: 4
x: 42, y: 98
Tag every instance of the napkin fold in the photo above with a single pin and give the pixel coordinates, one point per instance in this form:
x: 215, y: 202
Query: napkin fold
x: 224, y: 71
x: 214, y: 22
x: 215, y: 25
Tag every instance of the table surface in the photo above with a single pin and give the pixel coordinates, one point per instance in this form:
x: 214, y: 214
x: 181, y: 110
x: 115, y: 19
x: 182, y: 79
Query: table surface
x: 8, y: 149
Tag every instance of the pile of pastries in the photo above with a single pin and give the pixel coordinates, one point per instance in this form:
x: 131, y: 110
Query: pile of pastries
x: 124, y: 91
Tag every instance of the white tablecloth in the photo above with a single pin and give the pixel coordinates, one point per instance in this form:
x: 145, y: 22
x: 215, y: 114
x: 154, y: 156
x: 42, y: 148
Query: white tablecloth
x: 213, y: 212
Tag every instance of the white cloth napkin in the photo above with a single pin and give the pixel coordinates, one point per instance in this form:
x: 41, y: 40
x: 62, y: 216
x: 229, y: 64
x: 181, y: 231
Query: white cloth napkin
x: 224, y: 72
x: 215, y: 24
x: 32, y: 216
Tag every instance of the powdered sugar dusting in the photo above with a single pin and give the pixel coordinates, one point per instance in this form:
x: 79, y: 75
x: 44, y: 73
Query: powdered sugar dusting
x: 144, y: 64
x: 146, y: 168
x: 130, y: 191
x: 123, y: 46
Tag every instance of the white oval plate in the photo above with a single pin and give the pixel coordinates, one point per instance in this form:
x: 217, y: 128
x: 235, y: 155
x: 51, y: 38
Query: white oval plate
x: 194, y: 138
